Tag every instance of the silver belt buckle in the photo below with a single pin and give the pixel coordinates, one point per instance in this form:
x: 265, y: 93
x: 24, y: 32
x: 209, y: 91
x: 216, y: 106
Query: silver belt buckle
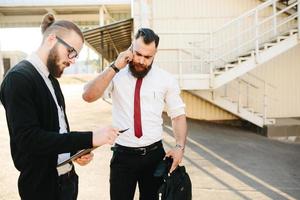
x: 144, y: 150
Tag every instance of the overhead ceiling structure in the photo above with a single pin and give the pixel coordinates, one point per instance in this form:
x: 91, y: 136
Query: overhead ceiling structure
x: 109, y: 20
x: 87, y: 13
x: 111, y: 39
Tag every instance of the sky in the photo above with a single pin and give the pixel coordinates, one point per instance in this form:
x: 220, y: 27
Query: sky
x: 20, y: 39
x: 28, y: 40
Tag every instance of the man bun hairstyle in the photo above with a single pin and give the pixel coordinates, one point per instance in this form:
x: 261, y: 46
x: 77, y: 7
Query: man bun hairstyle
x: 47, y: 21
x: 60, y: 27
x: 148, y: 36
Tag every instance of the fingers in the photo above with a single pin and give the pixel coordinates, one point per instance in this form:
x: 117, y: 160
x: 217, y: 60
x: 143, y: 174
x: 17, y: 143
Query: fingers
x: 173, y: 168
x: 115, y: 134
x: 105, y: 135
x: 112, y: 135
x: 85, y: 159
x: 177, y: 157
x: 88, y: 156
x: 130, y: 48
x: 124, y: 58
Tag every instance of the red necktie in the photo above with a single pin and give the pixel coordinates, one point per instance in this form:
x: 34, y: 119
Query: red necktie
x: 137, y: 109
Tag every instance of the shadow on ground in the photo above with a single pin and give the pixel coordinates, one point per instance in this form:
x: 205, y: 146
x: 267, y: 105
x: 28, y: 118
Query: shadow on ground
x: 266, y: 166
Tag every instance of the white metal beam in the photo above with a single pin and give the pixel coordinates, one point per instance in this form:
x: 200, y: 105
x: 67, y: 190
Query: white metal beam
x: 101, y: 16
x: 36, y: 19
x: 107, y: 14
x: 50, y: 10
x: 31, y: 3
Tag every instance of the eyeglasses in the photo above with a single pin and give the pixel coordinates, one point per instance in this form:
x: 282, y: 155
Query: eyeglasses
x: 72, y: 52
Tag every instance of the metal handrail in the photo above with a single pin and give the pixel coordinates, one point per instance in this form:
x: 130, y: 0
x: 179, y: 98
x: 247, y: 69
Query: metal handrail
x: 288, y: 19
x: 246, y: 14
x: 214, y: 50
x: 257, y: 39
x: 253, y: 39
x: 291, y: 17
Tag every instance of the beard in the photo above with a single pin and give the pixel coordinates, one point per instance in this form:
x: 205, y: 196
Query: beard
x: 139, y: 74
x: 52, y: 63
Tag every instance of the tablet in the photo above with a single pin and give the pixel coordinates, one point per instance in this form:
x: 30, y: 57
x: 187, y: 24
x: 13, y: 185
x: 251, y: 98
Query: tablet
x: 82, y: 152
x: 77, y: 155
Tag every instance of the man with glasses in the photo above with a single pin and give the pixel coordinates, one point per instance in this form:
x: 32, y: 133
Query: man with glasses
x: 140, y: 90
x: 40, y: 137
x: 72, y: 52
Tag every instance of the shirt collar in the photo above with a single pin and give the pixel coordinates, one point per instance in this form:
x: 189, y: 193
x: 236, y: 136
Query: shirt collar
x: 38, y: 63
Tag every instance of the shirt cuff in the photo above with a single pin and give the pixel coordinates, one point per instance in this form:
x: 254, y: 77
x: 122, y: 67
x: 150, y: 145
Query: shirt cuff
x: 176, y: 112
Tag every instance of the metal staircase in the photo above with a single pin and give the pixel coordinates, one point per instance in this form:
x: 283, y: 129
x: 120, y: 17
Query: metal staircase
x: 217, y: 69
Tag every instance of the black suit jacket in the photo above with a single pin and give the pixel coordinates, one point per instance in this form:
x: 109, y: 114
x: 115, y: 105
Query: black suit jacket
x: 33, y: 125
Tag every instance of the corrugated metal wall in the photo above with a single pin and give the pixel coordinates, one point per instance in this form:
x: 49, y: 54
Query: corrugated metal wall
x: 282, y: 72
x: 198, y: 108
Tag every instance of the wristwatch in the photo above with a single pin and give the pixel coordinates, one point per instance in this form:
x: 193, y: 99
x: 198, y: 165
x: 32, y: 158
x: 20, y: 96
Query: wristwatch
x: 178, y: 146
x: 112, y: 65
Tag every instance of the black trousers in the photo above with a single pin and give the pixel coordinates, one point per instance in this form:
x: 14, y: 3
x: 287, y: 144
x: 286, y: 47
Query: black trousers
x: 127, y: 168
x: 68, y: 186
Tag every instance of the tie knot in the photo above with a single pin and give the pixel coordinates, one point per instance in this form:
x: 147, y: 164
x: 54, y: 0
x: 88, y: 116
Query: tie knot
x: 139, y: 80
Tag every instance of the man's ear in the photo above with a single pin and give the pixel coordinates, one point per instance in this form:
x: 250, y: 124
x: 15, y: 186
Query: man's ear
x: 51, y: 40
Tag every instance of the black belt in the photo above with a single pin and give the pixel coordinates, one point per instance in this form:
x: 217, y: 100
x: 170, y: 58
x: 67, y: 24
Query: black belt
x: 137, y: 150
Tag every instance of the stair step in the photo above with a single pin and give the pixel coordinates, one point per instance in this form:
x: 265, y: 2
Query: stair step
x: 242, y: 59
x: 248, y: 54
x: 249, y: 109
x: 216, y: 73
x: 261, y: 48
x: 233, y: 62
x: 280, y: 38
x: 267, y: 45
x: 293, y: 31
x: 229, y: 66
x: 259, y: 51
x: 258, y: 114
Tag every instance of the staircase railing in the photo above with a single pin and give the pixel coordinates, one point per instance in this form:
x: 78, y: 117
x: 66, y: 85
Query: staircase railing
x: 246, y: 33
x: 249, y: 92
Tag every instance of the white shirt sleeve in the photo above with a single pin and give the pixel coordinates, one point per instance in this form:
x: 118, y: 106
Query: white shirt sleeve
x: 174, y: 103
x: 108, y: 90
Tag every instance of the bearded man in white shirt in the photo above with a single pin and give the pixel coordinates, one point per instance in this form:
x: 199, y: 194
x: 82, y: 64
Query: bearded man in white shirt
x: 140, y: 91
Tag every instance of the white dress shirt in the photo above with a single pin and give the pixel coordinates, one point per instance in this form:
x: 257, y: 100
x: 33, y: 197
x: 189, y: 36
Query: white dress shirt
x: 44, y: 72
x: 159, y: 89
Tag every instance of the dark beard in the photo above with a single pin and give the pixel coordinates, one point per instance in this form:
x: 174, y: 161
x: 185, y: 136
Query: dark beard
x: 52, y: 63
x: 139, y: 74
